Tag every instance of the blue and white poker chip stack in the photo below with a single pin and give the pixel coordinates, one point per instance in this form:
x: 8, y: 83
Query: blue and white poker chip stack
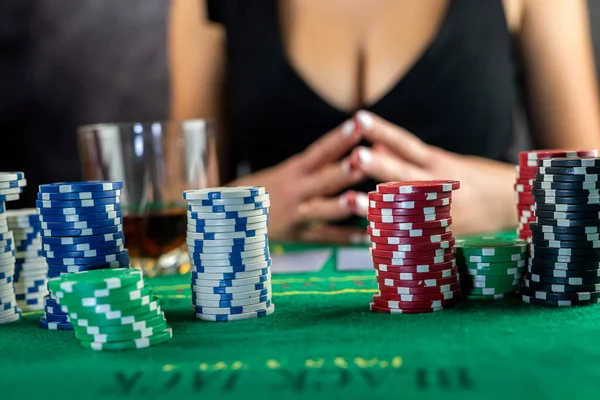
x: 82, y: 229
x: 11, y: 185
x: 31, y: 270
x: 229, y: 252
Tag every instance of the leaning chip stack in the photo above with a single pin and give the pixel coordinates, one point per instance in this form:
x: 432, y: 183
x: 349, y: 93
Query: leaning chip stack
x: 111, y: 309
x: 82, y: 229
x: 228, y: 246
x: 412, y: 246
x: 490, y: 267
x: 526, y: 171
x: 564, y: 268
x: 31, y: 270
x: 11, y: 185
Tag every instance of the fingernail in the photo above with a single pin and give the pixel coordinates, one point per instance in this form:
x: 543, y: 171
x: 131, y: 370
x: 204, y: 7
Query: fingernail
x: 348, y: 128
x: 365, y: 155
x: 344, y: 203
x: 346, y: 167
x: 364, y: 119
x: 362, y: 203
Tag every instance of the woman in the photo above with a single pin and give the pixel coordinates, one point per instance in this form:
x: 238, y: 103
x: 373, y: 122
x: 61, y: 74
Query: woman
x: 317, y: 96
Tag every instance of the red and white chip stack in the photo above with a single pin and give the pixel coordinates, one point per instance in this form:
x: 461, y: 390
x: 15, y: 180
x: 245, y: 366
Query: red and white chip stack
x: 526, y: 172
x: 412, y: 246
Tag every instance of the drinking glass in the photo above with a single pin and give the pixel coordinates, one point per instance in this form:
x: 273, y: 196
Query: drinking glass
x: 156, y: 161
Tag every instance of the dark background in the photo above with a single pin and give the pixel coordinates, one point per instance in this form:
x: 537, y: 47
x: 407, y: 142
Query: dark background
x: 65, y: 63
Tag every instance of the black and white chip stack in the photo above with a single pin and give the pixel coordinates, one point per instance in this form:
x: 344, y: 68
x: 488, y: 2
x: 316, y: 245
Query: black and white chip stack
x: 229, y: 252
x: 31, y: 270
x: 11, y: 186
x: 564, y: 268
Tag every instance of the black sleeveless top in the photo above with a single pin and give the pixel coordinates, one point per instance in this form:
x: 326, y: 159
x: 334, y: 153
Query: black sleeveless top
x: 459, y: 95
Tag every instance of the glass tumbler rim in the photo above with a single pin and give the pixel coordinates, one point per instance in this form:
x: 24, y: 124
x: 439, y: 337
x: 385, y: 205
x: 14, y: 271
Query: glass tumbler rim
x: 201, y: 123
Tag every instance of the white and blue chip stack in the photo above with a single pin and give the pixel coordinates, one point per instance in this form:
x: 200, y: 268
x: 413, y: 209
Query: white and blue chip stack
x: 82, y: 229
x: 11, y: 186
x: 31, y: 270
x: 229, y: 252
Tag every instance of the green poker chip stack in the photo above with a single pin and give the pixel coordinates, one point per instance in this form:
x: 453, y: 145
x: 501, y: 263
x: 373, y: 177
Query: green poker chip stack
x: 491, y: 268
x: 111, y: 309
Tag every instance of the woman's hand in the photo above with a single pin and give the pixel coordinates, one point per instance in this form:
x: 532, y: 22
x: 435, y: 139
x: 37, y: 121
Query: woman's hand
x: 485, y: 201
x: 302, y: 188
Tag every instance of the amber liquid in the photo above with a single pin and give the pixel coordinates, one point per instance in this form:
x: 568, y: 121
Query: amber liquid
x: 154, y: 234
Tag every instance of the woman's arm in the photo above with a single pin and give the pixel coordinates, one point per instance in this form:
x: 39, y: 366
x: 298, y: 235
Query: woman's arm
x: 559, y: 66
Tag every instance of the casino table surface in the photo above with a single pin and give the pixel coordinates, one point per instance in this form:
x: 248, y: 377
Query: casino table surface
x: 322, y: 341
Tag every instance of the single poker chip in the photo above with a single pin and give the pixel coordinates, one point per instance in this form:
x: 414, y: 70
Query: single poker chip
x: 508, y: 271
x: 483, y: 297
x: 83, y: 239
x: 491, y: 246
x: 398, y: 240
x: 81, y: 224
x: 561, y: 288
x: 142, y: 343
x: 565, y: 193
x: 77, y: 203
x: 382, y: 197
x: 537, y: 264
x: 419, y: 268
x: 230, y: 201
x: 231, y: 296
x: 386, y: 263
x: 569, y: 170
x: 227, y: 242
x: 227, y: 255
x: 561, y: 244
x: 538, y: 234
x: 232, y: 282
x: 224, y: 193
x: 571, y: 280
x: 265, y: 285
x: 75, y: 187
x: 490, y: 259
x: 228, y: 221
x: 81, y: 261
x: 574, y: 296
x: 401, y: 249
x: 11, y: 191
x: 83, y: 254
x: 522, y: 188
x: 63, y: 326
x: 94, y: 317
x: 558, y: 258
x: 385, y: 291
x: 13, y: 184
x: 390, y: 276
x: 83, y: 246
x: 505, y: 286
x: 237, y: 317
x: 557, y: 303
x: 80, y: 210
x: 231, y: 303
x: 432, y: 233
x: 57, y: 318
x: 227, y: 235
x: 11, y: 176
x: 228, y: 262
x: 542, y: 154
x: 380, y: 302
x: 82, y: 232
x: 566, y: 185
x: 410, y: 204
x: 122, y: 336
x: 230, y: 276
x: 138, y: 326
x: 231, y: 268
x: 385, y: 310
x: 408, y: 219
x: 490, y: 291
x: 198, y: 248
x: 567, y: 200
x: 577, y: 208
x: 567, y: 230
x: 117, y: 299
x: 408, y: 187
x: 232, y: 208
x: 417, y: 227
x: 78, y: 195
x: 428, y: 253
x: 407, y: 211
x: 566, y: 178
x: 232, y: 310
x: 229, y: 258
x: 227, y: 215
x: 226, y: 228
x: 451, y: 294
x: 588, y: 223
x: 571, y: 162
x: 567, y: 248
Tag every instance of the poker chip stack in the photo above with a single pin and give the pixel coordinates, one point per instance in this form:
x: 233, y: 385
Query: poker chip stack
x: 229, y: 252
x: 11, y: 185
x: 564, y: 268
x: 490, y: 267
x: 526, y: 171
x: 82, y: 229
x: 31, y: 270
x: 111, y: 309
x: 412, y: 246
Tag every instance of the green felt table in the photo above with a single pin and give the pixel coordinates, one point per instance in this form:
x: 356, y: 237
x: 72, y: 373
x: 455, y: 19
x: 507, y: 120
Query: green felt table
x: 322, y: 341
